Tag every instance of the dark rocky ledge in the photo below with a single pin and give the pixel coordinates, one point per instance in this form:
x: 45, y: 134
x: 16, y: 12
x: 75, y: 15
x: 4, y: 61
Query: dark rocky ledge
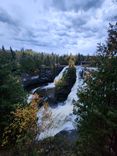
x: 43, y: 77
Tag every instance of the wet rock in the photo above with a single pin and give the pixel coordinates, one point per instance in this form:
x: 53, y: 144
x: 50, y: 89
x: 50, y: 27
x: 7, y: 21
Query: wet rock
x: 45, y: 76
x: 60, y: 145
x: 48, y: 95
x: 70, y: 136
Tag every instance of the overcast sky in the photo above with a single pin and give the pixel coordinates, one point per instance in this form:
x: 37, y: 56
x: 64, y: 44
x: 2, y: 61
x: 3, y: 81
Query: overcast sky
x: 60, y: 26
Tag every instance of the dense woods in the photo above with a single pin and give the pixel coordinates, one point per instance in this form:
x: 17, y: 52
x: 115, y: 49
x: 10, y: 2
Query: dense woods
x: 12, y: 93
x: 97, y: 104
x: 28, y: 61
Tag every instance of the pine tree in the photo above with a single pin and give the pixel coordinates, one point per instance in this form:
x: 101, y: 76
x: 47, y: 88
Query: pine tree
x: 97, y: 104
x: 11, y: 91
x: 3, y: 49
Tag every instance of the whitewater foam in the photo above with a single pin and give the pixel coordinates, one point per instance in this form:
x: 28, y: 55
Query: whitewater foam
x: 62, y: 117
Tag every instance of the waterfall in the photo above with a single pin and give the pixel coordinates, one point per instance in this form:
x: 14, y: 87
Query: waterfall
x: 62, y: 117
x: 50, y: 85
x: 58, y: 77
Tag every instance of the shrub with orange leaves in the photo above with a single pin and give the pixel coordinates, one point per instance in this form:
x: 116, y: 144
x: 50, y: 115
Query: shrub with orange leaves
x: 45, y: 118
x: 24, y: 128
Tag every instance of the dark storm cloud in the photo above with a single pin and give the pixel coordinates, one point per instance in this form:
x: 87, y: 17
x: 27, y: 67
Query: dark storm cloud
x: 9, y: 22
x: 66, y: 5
x: 31, y: 41
x: 6, y: 18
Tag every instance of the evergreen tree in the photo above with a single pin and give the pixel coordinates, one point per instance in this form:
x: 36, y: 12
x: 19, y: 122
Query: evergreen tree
x: 97, y: 104
x: 3, y: 49
x: 11, y: 91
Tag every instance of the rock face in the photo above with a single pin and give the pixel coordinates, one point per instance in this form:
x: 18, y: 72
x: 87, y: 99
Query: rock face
x: 60, y: 145
x: 47, y: 94
x: 63, y: 87
x: 70, y: 136
x: 43, y: 77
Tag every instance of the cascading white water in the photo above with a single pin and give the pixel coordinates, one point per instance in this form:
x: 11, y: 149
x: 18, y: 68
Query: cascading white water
x: 62, y: 117
x: 50, y: 85
x: 58, y: 77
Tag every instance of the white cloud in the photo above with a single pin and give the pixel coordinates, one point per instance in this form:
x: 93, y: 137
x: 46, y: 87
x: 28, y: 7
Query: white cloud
x: 52, y: 25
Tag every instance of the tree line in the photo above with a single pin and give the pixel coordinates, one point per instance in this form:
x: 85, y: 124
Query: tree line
x: 28, y: 61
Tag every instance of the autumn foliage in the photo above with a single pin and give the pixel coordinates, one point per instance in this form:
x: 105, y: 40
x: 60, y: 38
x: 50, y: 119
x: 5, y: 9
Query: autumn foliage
x: 24, y: 128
